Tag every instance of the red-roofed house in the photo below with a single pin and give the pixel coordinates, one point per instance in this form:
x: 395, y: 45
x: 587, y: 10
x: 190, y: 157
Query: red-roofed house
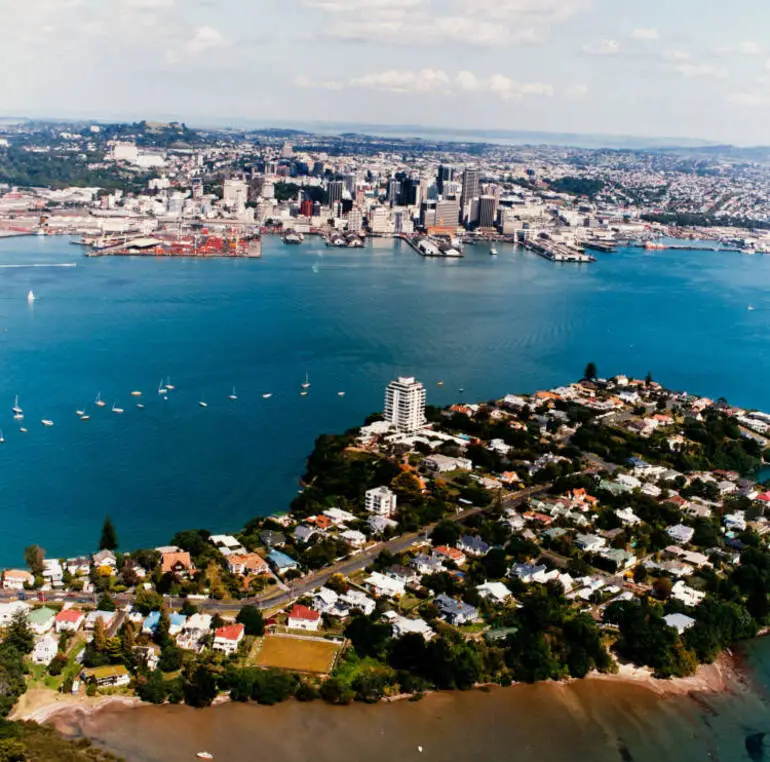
x: 177, y: 562
x: 453, y: 554
x: 303, y: 618
x: 228, y: 638
x: 69, y: 620
x: 247, y: 564
x: 764, y: 497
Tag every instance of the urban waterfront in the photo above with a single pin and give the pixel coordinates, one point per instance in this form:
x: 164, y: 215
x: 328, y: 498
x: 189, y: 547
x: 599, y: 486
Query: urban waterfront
x: 352, y: 319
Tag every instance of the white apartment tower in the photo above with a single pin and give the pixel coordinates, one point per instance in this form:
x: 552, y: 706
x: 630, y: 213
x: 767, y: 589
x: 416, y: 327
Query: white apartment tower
x: 405, y: 403
x: 381, y: 501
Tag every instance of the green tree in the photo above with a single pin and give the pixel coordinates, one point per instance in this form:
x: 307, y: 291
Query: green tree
x: 34, y: 556
x: 200, y: 688
x: 106, y: 603
x: 19, y: 634
x: 252, y: 620
x: 109, y: 538
x: 590, y: 373
x: 162, y: 632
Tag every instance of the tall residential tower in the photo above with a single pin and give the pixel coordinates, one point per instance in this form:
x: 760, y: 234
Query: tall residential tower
x: 405, y: 404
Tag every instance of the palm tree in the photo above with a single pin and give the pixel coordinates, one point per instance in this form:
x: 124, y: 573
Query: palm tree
x: 590, y: 373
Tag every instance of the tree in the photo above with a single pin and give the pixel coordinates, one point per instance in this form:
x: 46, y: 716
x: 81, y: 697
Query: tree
x: 368, y: 636
x: 152, y: 690
x: 662, y: 588
x: 99, y: 640
x: 590, y: 373
x: 34, y: 556
x: 147, y: 601
x: 170, y: 658
x: 109, y: 538
x: 200, y: 689
x: 648, y: 379
x: 20, y: 635
x: 252, y: 620
x: 162, y: 634
x: 106, y: 603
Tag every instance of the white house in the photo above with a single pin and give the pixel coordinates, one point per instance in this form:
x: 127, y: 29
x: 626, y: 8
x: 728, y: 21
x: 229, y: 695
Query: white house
x: 354, y: 538
x: 355, y: 599
x: 403, y: 626
x: 497, y: 591
x: 69, y: 620
x: 687, y: 595
x: 681, y: 533
x: 45, y: 649
x: 381, y: 501
x: 53, y: 570
x: 680, y: 622
x: 381, y: 584
x: 226, y: 544
x: 303, y: 618
x: 228, y: 638
x: 590, y: 543
x: 16, y: 579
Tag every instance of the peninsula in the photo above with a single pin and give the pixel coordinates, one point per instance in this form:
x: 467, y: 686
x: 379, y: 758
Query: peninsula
x: 588, y: 528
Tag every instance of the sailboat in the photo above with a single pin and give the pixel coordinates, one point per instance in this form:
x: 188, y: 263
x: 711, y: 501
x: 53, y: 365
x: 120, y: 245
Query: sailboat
x: 99, y: 401
x: 16, y: 409
x: 304, y: 393
x: 203, y: 404
x: 267, y: 396
x: 751, y: 308
x: 84, y: 416
x: 340, y: 394
x: 233, y: 396
x: 162, y: 387
x: 23, y: 430
x: 80, y: 413
x: 136, y: 394
x: 2, y: 438
x: 31, y: 296
x: 306, y: 385
x: 493, y: 252
x: 47, y: 422
x: 169, y: 385
x: 116, y: 409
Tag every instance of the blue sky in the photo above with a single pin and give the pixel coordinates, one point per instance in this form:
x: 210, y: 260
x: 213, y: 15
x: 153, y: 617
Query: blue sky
x: 670, y: 68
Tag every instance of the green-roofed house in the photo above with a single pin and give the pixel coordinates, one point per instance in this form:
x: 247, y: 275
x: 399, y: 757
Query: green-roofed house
x: 109, y: 676
x: 41, y: 620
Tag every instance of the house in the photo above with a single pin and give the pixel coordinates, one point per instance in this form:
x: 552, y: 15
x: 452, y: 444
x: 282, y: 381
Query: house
x: 455, y: 612
x: 355, y: 599
x: 405, y: 574
x: 69, y: 620
x: 79, y: 566
x: 151, y: 623
x: 380, y: 524
x: 325, y: 600
x: 107, y: 617
x: 450, y: 554
x: 45, y: 649
x: 403, y: 626
x: 628, y: 517
x: 528, y: 572
x: 495, y: 591
x: 17, y: 579
x: 11, y: 609
x: 354, y: 538
x: 226, y: 544
x: 441, y: 464
x: 195, y: 629
x: 628, y: 482
x: 381, y: 501
x: 177, y: 562
x: 620, y: 558
x: 303, y: 618
x: 380, y: 584
x: 247, y: 564
x: 687, y: 595
x: 473, y: 546
x: 281, y: 562
x: 304, y: 533
x: 53, y: 571
x: 271, y: 538
x: 148, y: 655
x: 228, y: 638
x: 338, y: 517
x: 680, y: 622
x: 681, y: 533
x: 41, y: 620
x: 590, y: 543
x: 735, y: 522
x: 424, y: 564
x: 110, y: 676
x: 105, y: 559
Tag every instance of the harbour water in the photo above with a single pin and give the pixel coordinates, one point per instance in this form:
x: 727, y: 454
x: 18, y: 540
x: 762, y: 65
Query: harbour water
x: 352, y: 319
x: 600, y: 721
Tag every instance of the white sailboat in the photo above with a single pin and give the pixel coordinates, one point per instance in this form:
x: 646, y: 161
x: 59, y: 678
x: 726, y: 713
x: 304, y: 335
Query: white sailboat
x: 47, y: 422
x: 136, y: 394
x: 2, y: 438
x: 162, y: 388
x: 116, y: 409
x: 233, y: 396
x: 99, y: 401
x: 140, y: 405
x: 340, y: 394
x: 16, y: 409
x: 80, y: 413
x: 306, y: 385
x: 493, y: 252
x: 169, y: 385
x: 267, y: 396
x: 84, y: 416
x: 203, y: 404
x: 23, y: 430
x: 31, y: 296
x: 304, y: 393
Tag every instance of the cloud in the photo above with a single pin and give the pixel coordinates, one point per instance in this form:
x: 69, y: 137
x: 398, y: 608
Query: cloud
x: 577, y: 91
x: 604, y: 47
x: 746, y: 48
x: 354, y: 6
x: 395, y: 81
x: 643, y: 33
x: 704, y: 71
x: 149, y: 3
x: 750, y: 100
x: 206, y: 38
x: 676, y: 55
x: 307, y: 83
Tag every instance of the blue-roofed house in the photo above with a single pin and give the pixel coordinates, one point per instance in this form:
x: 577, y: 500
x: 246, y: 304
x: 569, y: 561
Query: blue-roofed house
x: 281, y: 562
x: 176, y: 622
x: 473, y: 545
x: 455, y: 612
x: 151, y: 623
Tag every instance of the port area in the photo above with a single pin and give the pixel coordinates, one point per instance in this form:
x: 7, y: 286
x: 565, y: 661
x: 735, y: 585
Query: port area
x: 201, y: 244
x: 557, y: 252
x: 428, y: 246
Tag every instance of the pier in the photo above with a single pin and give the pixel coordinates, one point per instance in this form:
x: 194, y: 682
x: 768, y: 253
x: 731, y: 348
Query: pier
x: 429, y: 247
x: 557, y: 252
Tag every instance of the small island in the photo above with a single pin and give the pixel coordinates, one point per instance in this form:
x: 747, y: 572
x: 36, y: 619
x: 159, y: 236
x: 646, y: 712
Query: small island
x: 606, y: 526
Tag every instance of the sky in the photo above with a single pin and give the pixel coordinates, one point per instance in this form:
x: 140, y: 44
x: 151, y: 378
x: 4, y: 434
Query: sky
x: 653, y: 68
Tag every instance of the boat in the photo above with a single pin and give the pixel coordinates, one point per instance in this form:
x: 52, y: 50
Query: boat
x: 162, y: 388
x: 18, y: 417
x: 23, y: 430
x: 16, y: 409
x: 204, y: 755
x: 267, y: 396
x: 2, y: 438
x: 140, y: 405
x: 304, y: 393
x: 115, y: 409
x: 136, y: 394
x: 203, y: 404
x: 169, y: 385
x: 751, y: 308
x: 306, y: 385
x: 340, y: 394
x: 99, y: 401
x: 46, y: 422
x: 80, y: 413
x: 233, y: 396
x: 31, y: 296
x: 493, y: 252
x: 85, y: 417
x: 292, y: 238
x: 461, y: 390
x: 439, y: 383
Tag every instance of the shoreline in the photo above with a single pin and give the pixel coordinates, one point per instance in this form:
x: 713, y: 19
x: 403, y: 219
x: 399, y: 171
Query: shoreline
x: 722, y: 676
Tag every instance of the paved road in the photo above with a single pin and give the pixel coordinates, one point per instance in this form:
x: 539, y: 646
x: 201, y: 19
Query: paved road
x: 277, y: 597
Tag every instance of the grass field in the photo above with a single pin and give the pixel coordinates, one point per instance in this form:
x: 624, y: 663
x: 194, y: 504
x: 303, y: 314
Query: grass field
x: 298, y: 655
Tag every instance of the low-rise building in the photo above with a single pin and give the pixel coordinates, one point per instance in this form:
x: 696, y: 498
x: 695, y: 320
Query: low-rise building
x: 45, y: 649
x: 17, y: 579
x: 381, y: 501
x: 69, y: 620
x: 228, y: 638
x: 111, y: 676
x: 380, y: 584
x: 455, y: 612
x: 247, y: 564
x: 281, y: 562
x: 304, y: 618
x: 41, y: 620
x: 495, y: 591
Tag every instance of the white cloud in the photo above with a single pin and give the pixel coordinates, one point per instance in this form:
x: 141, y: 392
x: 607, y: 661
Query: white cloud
x: 529, y: 11
x: 149, y: 3
x: 468, y: 82
x: 395, y: 81
x: 206, y: 38
x: 751, y: 100
x: 676, y: 55
x: 306, y: 82
x: 354, y: 6
x: 507, y: 88
x: 577, y: 91
x: 746, y: 48
x: 643, y: 33
x: 604, y: 47
x: 705, y: 71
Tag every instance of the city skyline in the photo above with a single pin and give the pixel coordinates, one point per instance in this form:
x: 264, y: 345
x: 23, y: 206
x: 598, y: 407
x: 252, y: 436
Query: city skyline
x: 578, y: 66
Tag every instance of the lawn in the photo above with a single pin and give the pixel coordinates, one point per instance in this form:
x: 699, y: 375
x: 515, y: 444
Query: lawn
x: 296, y: 654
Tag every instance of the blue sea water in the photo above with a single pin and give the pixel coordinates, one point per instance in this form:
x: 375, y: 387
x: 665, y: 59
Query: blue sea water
x: 352, y: 319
